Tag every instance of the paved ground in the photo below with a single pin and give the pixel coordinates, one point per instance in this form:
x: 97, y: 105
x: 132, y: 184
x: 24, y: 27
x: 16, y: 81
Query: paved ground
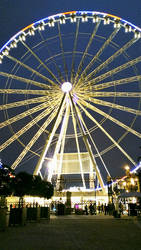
x: 75, y: 232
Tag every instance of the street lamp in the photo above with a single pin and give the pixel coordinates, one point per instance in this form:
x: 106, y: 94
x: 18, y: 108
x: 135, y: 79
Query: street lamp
x: 110, y: 191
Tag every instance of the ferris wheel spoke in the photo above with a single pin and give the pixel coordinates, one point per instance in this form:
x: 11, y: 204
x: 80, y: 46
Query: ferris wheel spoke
x: 99, y: 111
x: 116, y: 94
x: 30, y: 69
x: 33, y: 140
x: 25, y: 128
x: 24, y: 91
x: 74, y: 49
x: 22, y: 103
x: 107, y: 42
x: 43, y: 64
x: 78, y: 148
x: 98, y: 153
x: 115, y: 106
x: 113, y: 146
x: 80, y: 67
x: 116, y: 82
x: 25, y: 114
x: 106, y: 133
x: 63, y: 54
x: 25, y: 80
x: 111, y: 58
x: 114, y: 71
x: 52, y: 59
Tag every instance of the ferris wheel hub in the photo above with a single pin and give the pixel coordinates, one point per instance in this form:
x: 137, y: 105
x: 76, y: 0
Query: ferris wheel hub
x: 66, y: 87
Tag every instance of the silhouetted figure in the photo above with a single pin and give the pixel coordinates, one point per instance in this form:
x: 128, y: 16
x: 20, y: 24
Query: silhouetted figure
x: 86, y: 210
x: 102, y: 208
x: 105, y: 209
x: 121, y: 208
x: 94, y: 208
x: 91, y: 209
x: 99, y: 209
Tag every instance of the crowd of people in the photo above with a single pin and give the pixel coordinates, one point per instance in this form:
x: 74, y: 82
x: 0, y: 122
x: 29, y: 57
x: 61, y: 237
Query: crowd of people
x: 92, y: 208
x: 99, y: 209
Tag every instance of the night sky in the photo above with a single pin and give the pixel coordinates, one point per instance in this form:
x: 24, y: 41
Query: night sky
x: 17, y: 14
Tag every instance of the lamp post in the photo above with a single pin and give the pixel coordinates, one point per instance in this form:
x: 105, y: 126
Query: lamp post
x: 95, y: 194
x: 110, y: 191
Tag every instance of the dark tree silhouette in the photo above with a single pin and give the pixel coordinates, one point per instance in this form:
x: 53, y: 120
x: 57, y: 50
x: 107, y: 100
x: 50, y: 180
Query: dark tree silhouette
x: 7, y: 177
x: 27, y: 184
x: 22, y: 184
x: 41, y: 188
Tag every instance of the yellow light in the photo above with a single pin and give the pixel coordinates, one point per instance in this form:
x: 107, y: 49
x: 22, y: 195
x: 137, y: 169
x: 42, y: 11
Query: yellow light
x: 132, y: 181
x: 66, y: 87
x: 124, y: 183
x: 127, y: 167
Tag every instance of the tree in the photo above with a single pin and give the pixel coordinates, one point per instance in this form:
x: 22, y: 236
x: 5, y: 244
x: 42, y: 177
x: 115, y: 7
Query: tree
x: 6, y: 179
x: 41, y: 188
x: 47, y: 189
x: 22, y: 184
x: 27, y: 184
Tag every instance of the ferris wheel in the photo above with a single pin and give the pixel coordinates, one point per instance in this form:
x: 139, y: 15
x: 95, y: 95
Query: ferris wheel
x: 71, y: 83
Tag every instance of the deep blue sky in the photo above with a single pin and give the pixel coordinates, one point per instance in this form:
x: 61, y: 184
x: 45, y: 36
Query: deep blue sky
x: 16, y: 14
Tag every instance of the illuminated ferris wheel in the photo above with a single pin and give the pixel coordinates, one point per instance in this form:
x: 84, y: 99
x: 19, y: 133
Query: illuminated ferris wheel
x: 70, y: 84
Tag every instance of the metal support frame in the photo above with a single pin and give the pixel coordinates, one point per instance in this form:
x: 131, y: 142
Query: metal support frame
x: 88, y: 147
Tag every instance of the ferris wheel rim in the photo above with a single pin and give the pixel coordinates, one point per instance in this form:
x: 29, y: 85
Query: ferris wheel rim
x: 57, y: 16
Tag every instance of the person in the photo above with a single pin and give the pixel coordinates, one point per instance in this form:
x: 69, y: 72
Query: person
x: 102, y: 208
x: 52, y: 206
x: 94, y: 208
x: 121, y: 208
x: 99, y: 208
x: 105, y: 209
x: 91, y: 209
x: 86, y: 209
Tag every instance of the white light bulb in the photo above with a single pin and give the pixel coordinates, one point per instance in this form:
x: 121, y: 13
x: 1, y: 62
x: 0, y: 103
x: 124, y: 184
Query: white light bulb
x: 66, y: 87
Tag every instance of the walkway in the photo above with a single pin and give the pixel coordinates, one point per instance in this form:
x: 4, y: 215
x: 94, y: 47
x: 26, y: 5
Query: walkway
x: 74, y: 232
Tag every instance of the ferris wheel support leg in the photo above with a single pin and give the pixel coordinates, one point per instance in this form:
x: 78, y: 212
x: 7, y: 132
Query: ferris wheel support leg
x: 58, y: 145
x: 78, y: 150
x: 64, y: 130
x: 50, y: 137
x: 88, y: 147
